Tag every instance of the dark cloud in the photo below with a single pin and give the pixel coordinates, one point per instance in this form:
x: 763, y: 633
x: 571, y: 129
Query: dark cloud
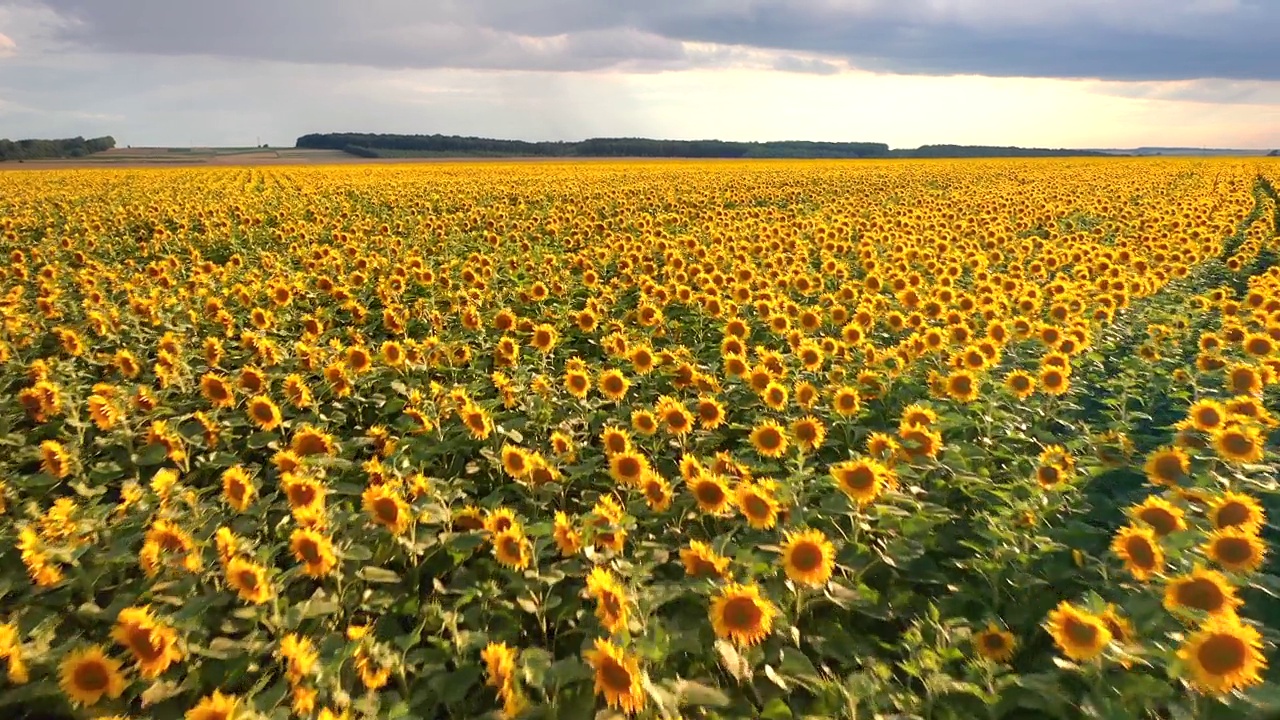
x: 1105, y: 39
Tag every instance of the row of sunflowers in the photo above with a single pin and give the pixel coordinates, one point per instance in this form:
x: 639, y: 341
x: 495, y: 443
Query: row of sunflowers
x: 674, y: 439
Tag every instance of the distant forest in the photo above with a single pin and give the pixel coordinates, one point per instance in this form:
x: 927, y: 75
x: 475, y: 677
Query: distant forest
x: 50, y: 149
x: 389, y: 146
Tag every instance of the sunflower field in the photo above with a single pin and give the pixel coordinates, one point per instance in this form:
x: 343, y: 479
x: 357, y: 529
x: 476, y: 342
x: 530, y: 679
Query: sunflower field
x: 773, y: 439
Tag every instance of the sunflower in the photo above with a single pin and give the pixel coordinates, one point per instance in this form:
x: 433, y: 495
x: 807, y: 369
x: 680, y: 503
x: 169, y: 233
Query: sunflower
x: 515, y: 461
x: 1232, y: 509
x: 774, y: 396
x: 995, y: 644
x: 1207, y: 415
x: 214, y: 707
x: 1020, y: 383
x: 1160, y: 515
x: 1118, y: 625
x: 567, y: 537
x: 613, y: 384
x: 808, y: 557
x: 1168, y: 466
x: 863, y: 479
x: 917, y: 414
x: 710, y: 413
x: 701, y: 561
x: 1202, y: 590
x: 264, y: 413
x: 1239, y: 443
x: 1140, y: 550
x: 1236, y: 549
x: 919, y: 442
x: 757, y: 504
x: 768, y: 439
x: 104, y: 412
x: 675, y: 416
x: 54, y: 459
x: 512, y: 548
x: 629, y: 468
x: 387, y: 508
x: 644, y: 422
x: 154, y: 645
x: 610, y: 598
x: 300, y: 656
x: 657, y: 492
x: 618, y: 676
x: 249, y: 580
x: 217, y: 390
x: 544, y: 338
x: 739, y: 613
x: 711, y: 492
x: 1244, y: 380
x: 237, y: 488
x: 809, y: 433
x: 87, y: 674
x: 500, y: 520
x: 477, y: 421
x: 314, y: 550
x: 500, y: 664
x: 846, y: 401
x: 1224, y: 655
x: 1079, y: 634
x: 963, y: 386
x: 1055, y: 381
x: 615, y: 440
x: 310, y: 441
x: 304, y: 493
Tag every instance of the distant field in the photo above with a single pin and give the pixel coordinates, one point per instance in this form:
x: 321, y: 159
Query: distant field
x: 141, y: 156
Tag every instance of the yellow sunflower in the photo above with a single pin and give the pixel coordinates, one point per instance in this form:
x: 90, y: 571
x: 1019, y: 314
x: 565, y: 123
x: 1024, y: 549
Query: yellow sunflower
x: 757, y: 504
x: 618, y: 676
x: 1168, y: 466
x: 86, y: 675
x: 863, y: 479
x: 610, y: 597
x: 1201, y: 590
x: 387, y: 508
x: 249, y: 580
x: 1224, y: 655
x: 1160, y: 515
x: 1079, y: 634
x: 995, y: 644
x: 1233, y: 509
x: 739, y: 613
x: 808, y: 557
x: 214, y: 707
x: 769, y: 440
x: 153, y: 644
x: 1140, y: 550
x: 1236, y: 549
x: 314, y: 551
x: 701, y: 561
x: 711, y: 493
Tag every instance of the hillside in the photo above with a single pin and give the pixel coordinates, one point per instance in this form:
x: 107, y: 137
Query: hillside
x: 386, y: 146
x: 51, y: 149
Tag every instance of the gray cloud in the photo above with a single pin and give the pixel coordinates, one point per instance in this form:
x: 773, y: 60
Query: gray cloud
x: 1106, y: 39
x: 813, y: 66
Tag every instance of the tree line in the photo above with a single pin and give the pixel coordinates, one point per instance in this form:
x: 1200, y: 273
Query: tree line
x: 47, y: 149
x: 373, y: 145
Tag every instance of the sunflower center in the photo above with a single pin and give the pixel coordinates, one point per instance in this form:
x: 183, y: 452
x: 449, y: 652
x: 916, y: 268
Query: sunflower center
x: 806, y: 557
x: 1208, y: 417
x: 509, y: 546
x: 1141, y: 554
x: 805, y: 432
x: 309, y: 551
x: 386, y: 510
x: 993, y: 642
x: 501, y: 524
x: 1234, y: 550
x: 143, y: 643
x: 1168, y: 468
x: 611, y: 603
x: 755, y: 506
x: 628, y: 467
x: 1237, y: 443
x: 262, y: 413
x: 1048, y: 475
x: 1080, y: 633
x: 1201, y: 594
x: 615, y: 676
x: 770, y: 439
x: 91, y: 676
x: 859, y: 478
x: 742, y: 614
x: 301, y: 495
x: 248, y: 579
x: 1232, y: 514
x: 1222, y: 654
x: 1161, y: 520
x: 710, y: 493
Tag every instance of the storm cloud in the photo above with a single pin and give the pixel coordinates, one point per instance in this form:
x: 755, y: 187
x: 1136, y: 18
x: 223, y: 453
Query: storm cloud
x: 1101, y: 39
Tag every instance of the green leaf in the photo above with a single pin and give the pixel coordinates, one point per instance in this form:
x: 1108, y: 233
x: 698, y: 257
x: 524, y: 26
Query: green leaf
x: 259, y: 440
x: 692, y: 693
x: 535, y: 662
x: 375, y: 574
x: 776, y: 709
x: 151, y: 455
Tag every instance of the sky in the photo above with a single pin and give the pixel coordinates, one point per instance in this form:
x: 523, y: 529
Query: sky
x: 1046, y: 73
